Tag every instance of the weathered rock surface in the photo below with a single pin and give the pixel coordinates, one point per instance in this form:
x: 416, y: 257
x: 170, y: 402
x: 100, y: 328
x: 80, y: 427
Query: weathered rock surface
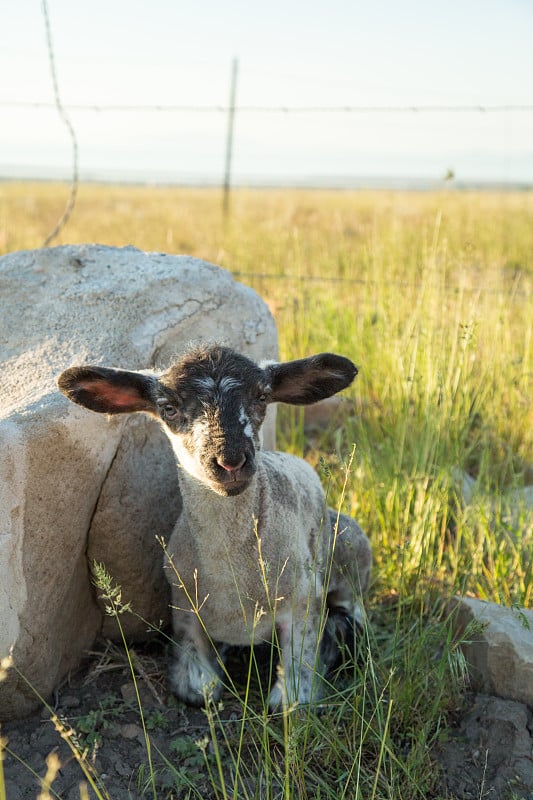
x: 76, y: 486
x: 134, y: 553
x: 499, y: 652
x: 490, y: 753
x: 515, y: 499
x: 511, y: 511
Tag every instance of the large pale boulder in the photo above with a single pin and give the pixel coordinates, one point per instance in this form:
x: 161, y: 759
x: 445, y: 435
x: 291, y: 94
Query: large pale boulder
x: 134, y: 553
x: 499, y: 647
x: 76, y: 486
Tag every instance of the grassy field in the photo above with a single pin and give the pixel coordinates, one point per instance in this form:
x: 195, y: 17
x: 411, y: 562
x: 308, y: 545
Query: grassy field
x: 432, y: 296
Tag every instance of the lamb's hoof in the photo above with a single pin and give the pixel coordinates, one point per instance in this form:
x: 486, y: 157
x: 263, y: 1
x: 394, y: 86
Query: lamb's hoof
x: 277, y: 697
x: 193, y: 681
x: 308, y: 692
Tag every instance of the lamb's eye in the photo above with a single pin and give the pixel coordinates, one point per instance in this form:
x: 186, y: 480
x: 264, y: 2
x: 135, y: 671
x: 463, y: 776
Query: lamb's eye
x: 262, y: 398
x: 169, y: 411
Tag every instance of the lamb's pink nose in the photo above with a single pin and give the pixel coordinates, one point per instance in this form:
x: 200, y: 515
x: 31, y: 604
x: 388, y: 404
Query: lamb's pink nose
x: 234, y: 465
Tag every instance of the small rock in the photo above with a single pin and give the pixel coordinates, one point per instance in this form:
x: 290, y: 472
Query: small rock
x: 120, y: 766
x: 131, y: 731
x: 490, y: 752
x: 127, y: 690
x: 499, y: 652
x: 511, y: 511
x: 129, y: 695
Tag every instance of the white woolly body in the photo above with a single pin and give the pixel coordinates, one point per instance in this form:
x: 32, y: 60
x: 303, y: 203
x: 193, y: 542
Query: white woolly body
x: 265, y: 554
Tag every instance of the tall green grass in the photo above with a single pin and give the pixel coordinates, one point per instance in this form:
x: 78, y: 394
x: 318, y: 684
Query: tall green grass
x: 432, y: 296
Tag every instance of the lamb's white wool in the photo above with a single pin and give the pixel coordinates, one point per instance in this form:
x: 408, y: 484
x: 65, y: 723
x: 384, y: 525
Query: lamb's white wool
x: 206, y: 383
x: 255, y: 554
x: 246, y: 424
x: 227, y: 383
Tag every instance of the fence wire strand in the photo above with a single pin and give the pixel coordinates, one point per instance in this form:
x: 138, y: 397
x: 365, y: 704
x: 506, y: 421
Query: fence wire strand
x: 62, y: 110
x: 223, y: 109
x: 72, y: 133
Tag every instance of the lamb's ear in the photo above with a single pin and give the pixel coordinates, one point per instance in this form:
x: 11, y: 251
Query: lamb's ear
x: 109, y: 391
x: 308, y: 380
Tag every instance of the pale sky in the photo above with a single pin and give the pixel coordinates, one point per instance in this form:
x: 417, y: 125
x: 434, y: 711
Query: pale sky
x: 292, y: 54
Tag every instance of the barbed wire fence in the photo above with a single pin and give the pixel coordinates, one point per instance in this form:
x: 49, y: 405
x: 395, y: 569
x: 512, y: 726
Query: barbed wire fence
x: 224, y: 109
x: 72, y: 133
x: 231, y: 110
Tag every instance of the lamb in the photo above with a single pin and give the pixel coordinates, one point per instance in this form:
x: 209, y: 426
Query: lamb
x: 256, y: 555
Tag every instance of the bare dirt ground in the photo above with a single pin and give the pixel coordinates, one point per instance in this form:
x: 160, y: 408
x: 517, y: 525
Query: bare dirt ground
x: 99, y: 702
x: 488, y: 752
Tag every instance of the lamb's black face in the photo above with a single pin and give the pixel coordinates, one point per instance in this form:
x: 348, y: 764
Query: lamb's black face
x: 213, y: 402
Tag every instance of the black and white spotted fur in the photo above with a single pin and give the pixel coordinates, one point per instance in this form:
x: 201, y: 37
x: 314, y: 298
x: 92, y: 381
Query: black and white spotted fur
x: 255, y: 553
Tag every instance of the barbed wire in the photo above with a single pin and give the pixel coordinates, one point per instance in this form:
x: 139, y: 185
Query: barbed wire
x: 66, y: 119
x: 63, y: 108
x: 224, y: 109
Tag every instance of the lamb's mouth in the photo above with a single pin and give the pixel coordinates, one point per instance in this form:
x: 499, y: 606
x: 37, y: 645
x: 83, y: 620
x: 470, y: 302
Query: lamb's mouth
x: 230, y: 488
x: 230, y: 481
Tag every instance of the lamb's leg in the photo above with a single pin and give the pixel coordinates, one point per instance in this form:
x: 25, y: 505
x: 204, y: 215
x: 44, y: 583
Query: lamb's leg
x: 351, y: 560
x: 350, y: 557
x: 194, y: 673
x: 299, y: 680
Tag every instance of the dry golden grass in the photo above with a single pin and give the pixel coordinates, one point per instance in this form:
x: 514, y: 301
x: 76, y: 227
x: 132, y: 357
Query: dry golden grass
x: 432, y: 295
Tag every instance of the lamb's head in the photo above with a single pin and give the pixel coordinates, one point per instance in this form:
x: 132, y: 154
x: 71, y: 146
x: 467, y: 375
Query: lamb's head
x: 212, y: 403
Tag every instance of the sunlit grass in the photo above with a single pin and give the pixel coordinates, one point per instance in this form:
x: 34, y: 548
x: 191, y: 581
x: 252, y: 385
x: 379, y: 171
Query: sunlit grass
x: 432, y: 296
